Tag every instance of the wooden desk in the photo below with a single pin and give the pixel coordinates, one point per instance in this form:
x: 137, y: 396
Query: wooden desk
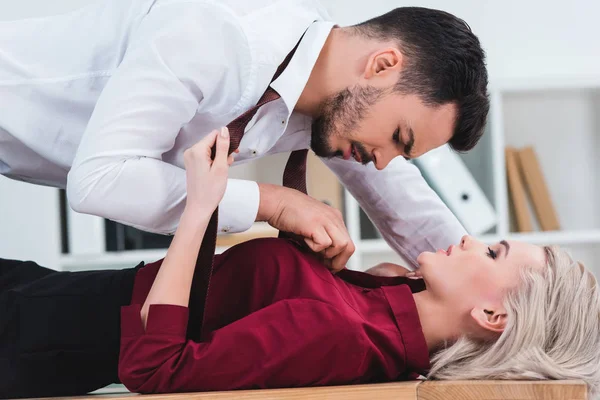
x: 415, y: 390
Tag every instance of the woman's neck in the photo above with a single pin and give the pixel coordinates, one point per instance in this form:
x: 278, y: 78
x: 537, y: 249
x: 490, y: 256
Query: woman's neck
x: 439, y: 323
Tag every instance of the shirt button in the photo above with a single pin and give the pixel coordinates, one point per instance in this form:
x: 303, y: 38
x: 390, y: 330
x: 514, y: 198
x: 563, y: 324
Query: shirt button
x: 283, y: 122
x: 253, y: 152
x: 225, y: 229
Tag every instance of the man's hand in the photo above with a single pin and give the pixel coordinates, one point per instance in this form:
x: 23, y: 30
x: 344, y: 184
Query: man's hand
x: 321, y: 226
x: 388, y: 269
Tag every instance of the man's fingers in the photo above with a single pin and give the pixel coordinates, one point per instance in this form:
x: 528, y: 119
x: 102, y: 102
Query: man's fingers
x: 315, y: 246
x: 340, y: 241
x: 340, y: 261
x: 319, y: 241
x: 340, y: 254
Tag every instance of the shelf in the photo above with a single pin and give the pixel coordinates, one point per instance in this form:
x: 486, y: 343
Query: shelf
x: 563, y: 128
x: 109, y: 260
x: 368, y: 246
x: 373, y: 246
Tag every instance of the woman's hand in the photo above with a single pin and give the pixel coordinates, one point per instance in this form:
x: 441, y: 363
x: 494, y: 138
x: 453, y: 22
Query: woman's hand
x: 206, y: 183
x: 207, y: 178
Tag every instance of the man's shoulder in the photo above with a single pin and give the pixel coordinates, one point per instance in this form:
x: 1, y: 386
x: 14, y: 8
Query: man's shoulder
x: 273, y: 27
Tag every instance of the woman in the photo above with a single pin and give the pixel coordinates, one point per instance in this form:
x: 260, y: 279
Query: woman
x: 276, y: 317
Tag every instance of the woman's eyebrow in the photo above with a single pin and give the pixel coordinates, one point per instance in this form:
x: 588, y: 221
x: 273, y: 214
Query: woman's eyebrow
x: 505, y: 243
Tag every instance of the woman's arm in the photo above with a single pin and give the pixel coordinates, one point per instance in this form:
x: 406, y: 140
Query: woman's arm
x: 294, y: 342
x: 206, y: 182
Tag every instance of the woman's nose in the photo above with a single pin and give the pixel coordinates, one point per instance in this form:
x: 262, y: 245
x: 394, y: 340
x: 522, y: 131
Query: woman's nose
x: 464, y: 241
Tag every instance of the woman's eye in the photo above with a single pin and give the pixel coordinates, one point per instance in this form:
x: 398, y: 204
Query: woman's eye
x: 492, y: 253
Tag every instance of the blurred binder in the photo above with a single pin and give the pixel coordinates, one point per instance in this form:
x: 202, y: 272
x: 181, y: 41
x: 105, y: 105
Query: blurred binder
x: 538, y: 190
x: 447, y: 174
x: 516, y: 190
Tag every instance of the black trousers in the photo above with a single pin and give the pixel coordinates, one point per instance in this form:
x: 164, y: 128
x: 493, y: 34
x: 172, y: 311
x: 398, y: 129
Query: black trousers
x: 59, y: 331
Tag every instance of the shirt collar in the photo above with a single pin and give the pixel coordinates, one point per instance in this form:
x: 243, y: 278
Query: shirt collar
x: 399, y: 293
x: 403, y: 305
x: 364, y: 279
x: 293, y: 79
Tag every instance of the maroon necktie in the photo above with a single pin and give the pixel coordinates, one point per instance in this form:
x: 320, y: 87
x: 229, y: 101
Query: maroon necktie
x: 294, y: 177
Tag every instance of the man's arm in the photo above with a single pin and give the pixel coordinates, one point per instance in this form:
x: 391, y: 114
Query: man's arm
x: 408, y: 213
x: 321, y: 226
x: 171, y: 69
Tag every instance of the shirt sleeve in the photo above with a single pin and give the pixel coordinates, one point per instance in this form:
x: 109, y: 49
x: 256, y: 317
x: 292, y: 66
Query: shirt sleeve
x: 173, y: 67
x: 409, y: 214
x: 296, y: 342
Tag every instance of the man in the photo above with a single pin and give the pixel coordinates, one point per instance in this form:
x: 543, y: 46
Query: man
x: 104, y: 101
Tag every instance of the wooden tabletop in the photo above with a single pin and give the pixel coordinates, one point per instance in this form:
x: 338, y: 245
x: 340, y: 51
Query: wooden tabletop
x: 414, y: 390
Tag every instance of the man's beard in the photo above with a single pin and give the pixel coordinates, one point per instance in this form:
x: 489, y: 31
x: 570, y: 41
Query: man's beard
x: 338, y: 116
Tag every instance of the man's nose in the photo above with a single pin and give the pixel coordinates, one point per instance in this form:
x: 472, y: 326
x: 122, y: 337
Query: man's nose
x: 382, y: 159
x: 381, y: 163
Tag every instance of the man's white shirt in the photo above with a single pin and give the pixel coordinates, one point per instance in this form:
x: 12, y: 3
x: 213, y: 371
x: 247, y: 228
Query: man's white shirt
x: 104, y: 101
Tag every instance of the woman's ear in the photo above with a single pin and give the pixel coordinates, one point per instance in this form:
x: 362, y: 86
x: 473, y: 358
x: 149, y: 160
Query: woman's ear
x: 491, y: 319
x: 382, y: 62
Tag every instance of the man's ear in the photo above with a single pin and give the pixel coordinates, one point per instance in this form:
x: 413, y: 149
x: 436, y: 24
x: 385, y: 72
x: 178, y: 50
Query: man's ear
x: 491, y: 319
x: 382, y: 62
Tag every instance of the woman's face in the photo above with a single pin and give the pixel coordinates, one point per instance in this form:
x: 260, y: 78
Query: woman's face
x: 471, y: 272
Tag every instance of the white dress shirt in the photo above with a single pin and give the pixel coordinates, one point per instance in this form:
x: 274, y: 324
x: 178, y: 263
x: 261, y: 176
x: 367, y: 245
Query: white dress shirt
x: 104, y: 101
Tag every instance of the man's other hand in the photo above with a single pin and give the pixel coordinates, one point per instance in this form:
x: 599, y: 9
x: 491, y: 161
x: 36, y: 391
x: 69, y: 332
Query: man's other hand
x: 321, y: 226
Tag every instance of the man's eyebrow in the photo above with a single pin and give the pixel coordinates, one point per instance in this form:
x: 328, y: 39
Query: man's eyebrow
x: 408, y: 147
x: 505, y: 243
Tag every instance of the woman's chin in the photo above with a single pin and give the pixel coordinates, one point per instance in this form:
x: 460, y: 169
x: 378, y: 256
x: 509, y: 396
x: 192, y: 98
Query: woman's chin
x: 425, y: 259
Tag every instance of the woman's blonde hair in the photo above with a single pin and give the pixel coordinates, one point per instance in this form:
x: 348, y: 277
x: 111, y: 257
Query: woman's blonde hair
x: 552, y: 331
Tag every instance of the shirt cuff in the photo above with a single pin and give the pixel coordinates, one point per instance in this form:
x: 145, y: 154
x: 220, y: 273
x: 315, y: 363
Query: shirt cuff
x: 239, y: 206
x: 163, y: 319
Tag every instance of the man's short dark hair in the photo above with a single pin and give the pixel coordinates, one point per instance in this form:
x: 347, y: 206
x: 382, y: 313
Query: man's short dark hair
x: 444, y: 63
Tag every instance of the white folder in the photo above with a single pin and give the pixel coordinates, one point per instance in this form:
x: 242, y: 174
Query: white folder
x: 447, y: 174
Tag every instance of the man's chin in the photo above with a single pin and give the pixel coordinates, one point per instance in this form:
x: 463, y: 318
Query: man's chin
x: 323, y: 150
x: 329, y: 155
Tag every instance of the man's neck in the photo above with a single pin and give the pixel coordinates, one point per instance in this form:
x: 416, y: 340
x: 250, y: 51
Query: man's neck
x: 439, y: 324
x: 327, y: 75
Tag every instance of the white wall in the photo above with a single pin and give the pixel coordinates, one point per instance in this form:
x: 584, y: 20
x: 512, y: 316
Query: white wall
x: 524, y: 39
x: 29, y: 225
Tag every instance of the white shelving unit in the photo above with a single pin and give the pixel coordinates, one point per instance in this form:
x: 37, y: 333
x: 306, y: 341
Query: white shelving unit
x: 560, y: 118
